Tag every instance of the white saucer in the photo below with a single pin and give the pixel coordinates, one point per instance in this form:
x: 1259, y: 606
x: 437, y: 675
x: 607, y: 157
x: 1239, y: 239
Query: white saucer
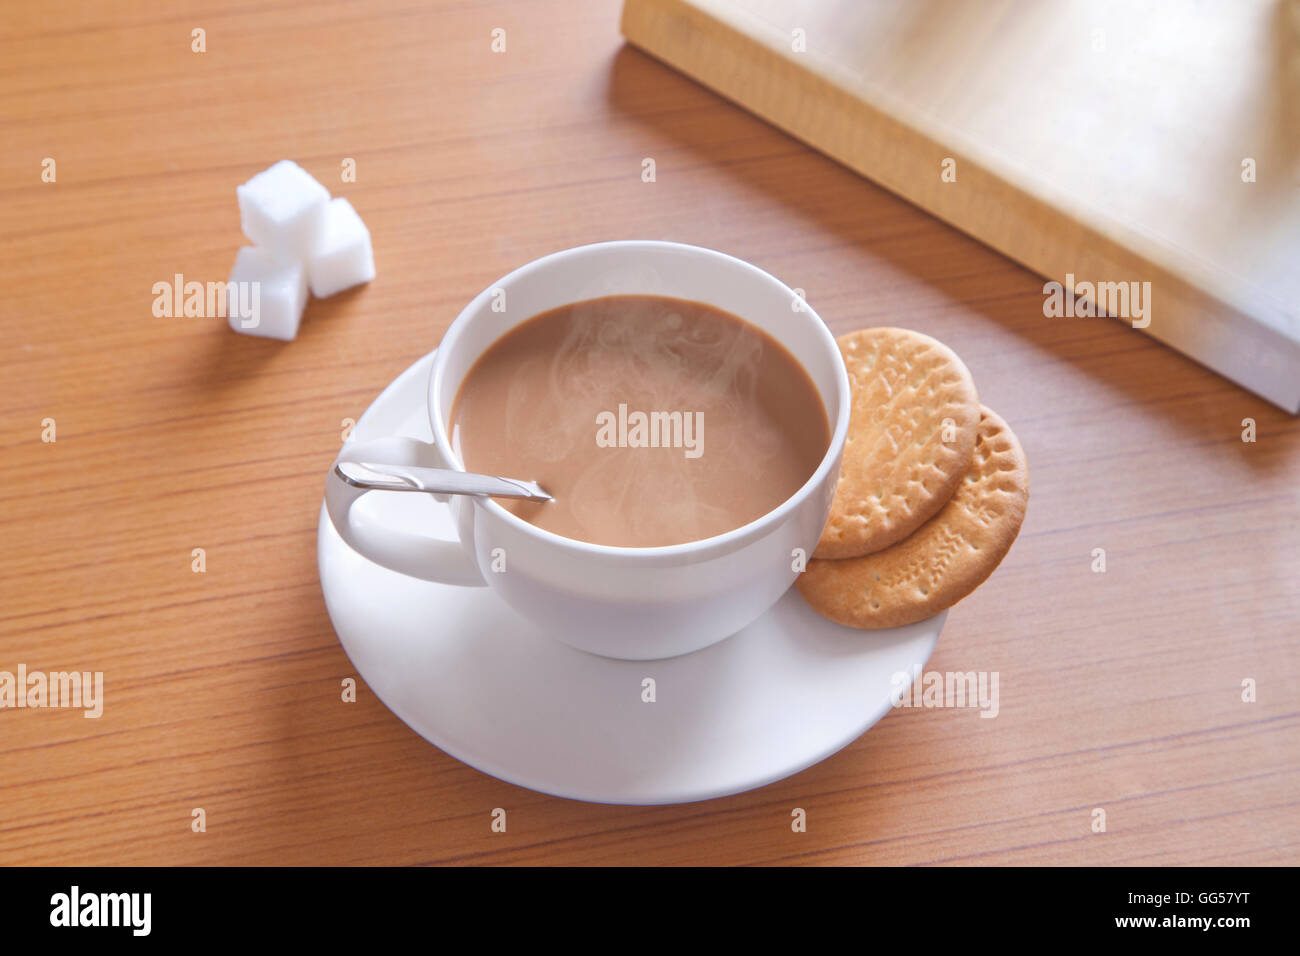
x: 480, y: 682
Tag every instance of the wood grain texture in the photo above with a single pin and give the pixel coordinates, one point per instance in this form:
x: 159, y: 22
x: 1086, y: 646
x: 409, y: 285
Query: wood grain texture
x: 1094, y: 141
x: 1119, y: 690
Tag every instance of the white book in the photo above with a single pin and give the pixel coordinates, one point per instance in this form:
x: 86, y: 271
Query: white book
x: 1105, y: 140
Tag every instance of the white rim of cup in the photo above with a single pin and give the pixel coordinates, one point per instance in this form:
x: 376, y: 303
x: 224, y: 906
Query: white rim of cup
x: 726, y: 539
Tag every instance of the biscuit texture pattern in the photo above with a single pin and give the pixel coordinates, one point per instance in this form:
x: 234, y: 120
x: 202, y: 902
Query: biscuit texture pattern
x: 946, y: 559
x: 911, y: 436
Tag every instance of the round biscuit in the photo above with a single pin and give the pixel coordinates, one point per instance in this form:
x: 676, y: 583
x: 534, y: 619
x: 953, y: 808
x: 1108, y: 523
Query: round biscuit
x: 910, y: 392
x: 946, y: 559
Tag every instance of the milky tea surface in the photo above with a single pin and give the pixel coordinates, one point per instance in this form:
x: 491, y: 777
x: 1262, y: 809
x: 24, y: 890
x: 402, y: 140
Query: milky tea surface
x: 653, y: 421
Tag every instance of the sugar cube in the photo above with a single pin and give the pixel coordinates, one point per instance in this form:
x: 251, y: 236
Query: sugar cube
x: 283, y: 209
x: 343, y: 256
x: 266, y: 294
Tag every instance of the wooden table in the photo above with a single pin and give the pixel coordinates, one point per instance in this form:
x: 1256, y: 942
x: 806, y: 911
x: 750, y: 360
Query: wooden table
x: 1119, y: 690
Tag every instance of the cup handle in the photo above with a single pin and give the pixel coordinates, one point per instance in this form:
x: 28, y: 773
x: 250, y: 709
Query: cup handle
x: 409, y: 553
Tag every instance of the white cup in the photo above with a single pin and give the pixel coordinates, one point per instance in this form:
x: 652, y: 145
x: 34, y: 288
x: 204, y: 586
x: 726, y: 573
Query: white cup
x: 628, y: 603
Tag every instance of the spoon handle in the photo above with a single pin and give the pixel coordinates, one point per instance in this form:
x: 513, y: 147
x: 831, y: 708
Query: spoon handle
x: 441, y: 481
